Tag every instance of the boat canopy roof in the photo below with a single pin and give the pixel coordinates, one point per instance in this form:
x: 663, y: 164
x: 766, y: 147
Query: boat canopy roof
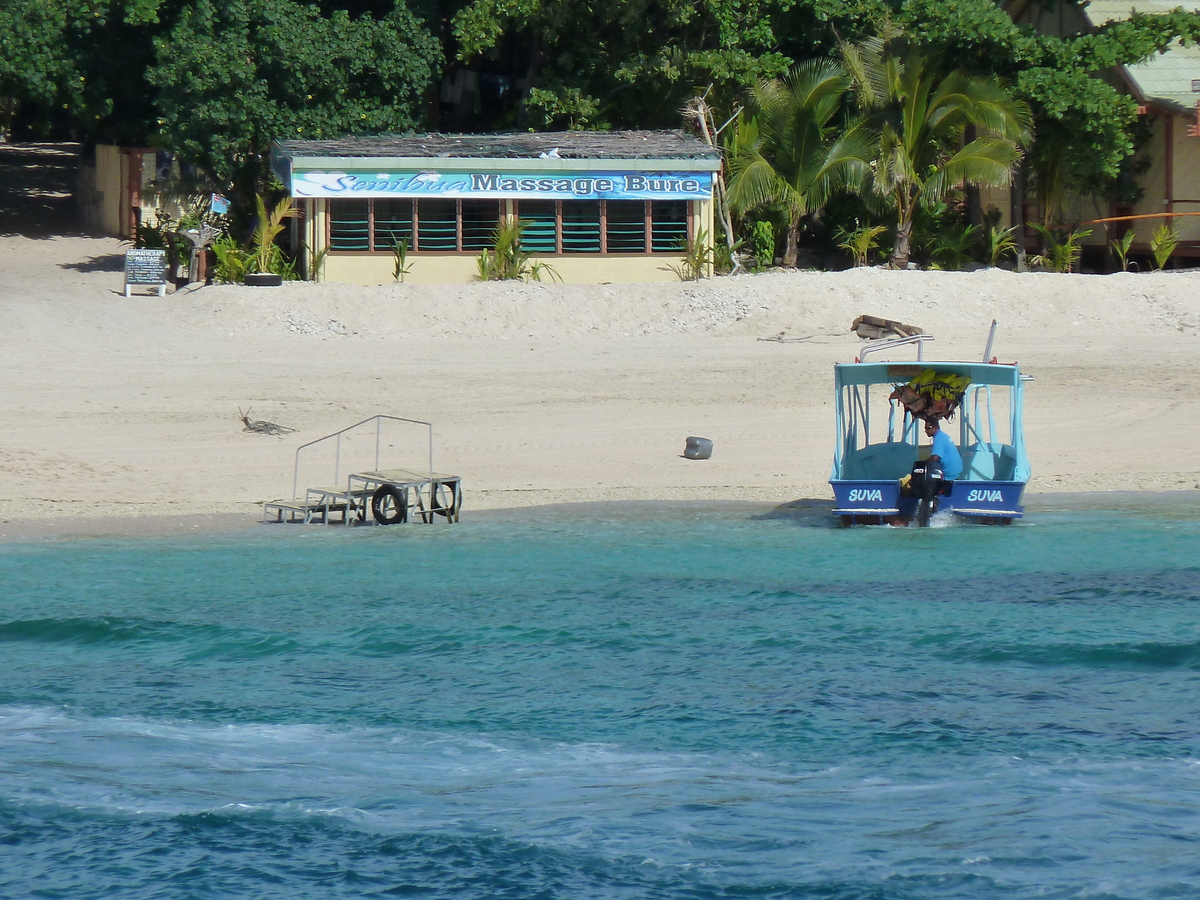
x: 898, y: 372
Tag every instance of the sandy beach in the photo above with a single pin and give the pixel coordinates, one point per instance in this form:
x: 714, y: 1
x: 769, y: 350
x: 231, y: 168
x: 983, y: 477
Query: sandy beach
x: 120, y: 407
x: 125, y: 408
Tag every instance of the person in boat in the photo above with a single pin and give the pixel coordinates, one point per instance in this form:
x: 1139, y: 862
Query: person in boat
x: 944, y: 450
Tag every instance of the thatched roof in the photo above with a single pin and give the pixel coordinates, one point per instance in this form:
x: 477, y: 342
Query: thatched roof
x: 558, y: 144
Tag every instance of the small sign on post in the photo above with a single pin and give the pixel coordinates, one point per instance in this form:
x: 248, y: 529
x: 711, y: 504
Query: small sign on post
x: 146, y: 267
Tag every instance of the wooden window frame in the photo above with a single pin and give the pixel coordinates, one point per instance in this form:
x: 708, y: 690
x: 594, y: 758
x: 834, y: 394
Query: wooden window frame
x: 329, y: 225
x: 509, y: 210
x: 557, y: 222
x: 412, y: 212
x: 502, y: 218
x: 558, y: 228
x: 687, y: 224
x: 457, y: 224
x: 513, y: 209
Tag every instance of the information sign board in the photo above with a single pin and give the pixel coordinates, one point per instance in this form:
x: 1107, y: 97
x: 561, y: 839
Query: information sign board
x: 146, y: 267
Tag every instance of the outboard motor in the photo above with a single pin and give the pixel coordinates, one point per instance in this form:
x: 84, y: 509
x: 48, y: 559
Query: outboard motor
x: 926, y: 483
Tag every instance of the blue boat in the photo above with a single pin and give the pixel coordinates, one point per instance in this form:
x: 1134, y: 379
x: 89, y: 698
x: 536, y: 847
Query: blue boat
x: 879, y: 442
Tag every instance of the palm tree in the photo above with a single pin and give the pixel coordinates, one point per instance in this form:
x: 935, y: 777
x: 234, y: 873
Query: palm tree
x: 916, y: 119
x: 784, y: 153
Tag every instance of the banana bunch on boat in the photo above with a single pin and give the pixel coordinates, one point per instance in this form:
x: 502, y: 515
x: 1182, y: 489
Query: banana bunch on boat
x: 932, y: 395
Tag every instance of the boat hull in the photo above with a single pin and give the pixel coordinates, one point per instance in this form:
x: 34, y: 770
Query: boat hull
x: 877, y: 502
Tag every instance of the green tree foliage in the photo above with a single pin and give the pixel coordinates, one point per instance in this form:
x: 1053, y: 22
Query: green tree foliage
x: 1085, y: 126
x: 80, y: 65
x: 33, y: 65
x: 214, y: 80
x: 786, y: 152
x: 625, y: 63
x: 917, y: 120
x: 233, y: 75
x: 113, y: 50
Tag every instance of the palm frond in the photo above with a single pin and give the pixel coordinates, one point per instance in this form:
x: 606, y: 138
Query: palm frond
x: 988, y: 161
x: 753, y: 182
x: 782, y: 154
x: 983, y: 102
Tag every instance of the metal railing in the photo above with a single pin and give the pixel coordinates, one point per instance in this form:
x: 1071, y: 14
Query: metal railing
x: 337, y: 435
x: 889, y: 343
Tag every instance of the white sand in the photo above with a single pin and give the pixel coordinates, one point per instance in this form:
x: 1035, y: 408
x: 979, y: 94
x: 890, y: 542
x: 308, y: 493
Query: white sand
x: 116, y: 407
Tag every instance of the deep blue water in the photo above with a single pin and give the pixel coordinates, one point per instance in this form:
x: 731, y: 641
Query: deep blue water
x: 676, y: 703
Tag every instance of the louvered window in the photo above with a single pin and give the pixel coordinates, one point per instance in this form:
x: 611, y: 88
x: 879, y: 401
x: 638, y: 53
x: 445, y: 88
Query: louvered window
x: 581, y: 226
x: 626, y: 226
x: 393, y: 223
x: 669, y: 229
x: 437, y: 225
x: 441, y: 225
x: 349, y: 225
x: 540, y: 218
x: 480, y: 218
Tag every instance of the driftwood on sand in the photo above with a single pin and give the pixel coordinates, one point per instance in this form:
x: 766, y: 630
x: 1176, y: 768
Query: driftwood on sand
x: 261, y: 427
x: 873, y: 328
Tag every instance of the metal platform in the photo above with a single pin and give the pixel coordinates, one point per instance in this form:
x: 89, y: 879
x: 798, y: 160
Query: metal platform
x: 383, y: 496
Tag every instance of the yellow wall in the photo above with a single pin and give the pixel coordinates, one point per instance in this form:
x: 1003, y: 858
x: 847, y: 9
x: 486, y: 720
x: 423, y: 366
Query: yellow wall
x: 110, y: 176
x: 1187, y: 179
x: 1154, y: 182
x: 105, y: 195
x: 376, y: 268
x: 704, y: 220
x: 1084, y: 209
x: 1156, y: 191
x: 1185, y: 186
x: 1001, y: 199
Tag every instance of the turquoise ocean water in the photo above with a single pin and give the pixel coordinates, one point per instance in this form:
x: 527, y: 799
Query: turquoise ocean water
x: 675, y: 703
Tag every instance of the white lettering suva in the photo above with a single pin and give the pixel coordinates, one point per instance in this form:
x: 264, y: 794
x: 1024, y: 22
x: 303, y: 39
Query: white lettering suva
x: 860, y: 494
x: 982, y: 496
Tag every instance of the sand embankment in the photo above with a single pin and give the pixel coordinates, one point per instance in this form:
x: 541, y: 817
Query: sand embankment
x: 116, y: 407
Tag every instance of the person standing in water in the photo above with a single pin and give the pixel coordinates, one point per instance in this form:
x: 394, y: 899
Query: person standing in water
x: 944, y: 450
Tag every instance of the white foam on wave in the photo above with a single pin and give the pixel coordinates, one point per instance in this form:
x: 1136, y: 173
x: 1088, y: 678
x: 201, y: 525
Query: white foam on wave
x: 600, y: 798
x: 943, y: 518
x: 375, y: 777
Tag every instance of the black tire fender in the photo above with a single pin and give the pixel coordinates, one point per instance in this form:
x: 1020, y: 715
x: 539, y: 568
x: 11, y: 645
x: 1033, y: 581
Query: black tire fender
x: 399, y: 511
x: 440, y: 490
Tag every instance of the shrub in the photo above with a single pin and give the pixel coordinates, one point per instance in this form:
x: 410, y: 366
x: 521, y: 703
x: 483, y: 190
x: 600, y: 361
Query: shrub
x: 1060, y: 255
x: 860, y: 241
x: 1163, y: 243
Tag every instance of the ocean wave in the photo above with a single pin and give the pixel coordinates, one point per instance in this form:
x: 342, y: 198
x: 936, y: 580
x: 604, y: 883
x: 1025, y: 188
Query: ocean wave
x: 701, y: 852
x: 100, y: 630
x: 194, y: 642
x: 1137, y: 655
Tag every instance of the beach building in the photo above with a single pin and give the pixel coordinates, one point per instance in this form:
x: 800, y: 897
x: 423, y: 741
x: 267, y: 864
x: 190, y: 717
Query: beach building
x: 1167, y: 90
x: 117, y: 187
x: 597, y: 207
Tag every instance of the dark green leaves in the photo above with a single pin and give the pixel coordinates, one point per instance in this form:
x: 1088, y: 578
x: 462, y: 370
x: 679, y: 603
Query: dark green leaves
x: 233, y: 75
